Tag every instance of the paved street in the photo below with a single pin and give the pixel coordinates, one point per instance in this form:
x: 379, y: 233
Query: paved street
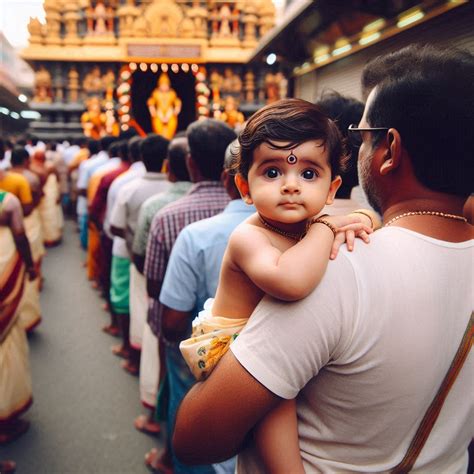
x: 84, y: 403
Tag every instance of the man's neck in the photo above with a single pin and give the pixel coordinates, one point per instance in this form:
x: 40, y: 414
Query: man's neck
x: 438, y: 227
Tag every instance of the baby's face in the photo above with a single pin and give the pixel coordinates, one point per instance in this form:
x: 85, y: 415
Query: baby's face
x: 290, y: 186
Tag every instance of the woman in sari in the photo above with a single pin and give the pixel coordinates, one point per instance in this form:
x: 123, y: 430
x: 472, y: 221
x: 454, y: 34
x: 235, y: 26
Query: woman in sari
x: 15, y: 263
x: 50, y: 210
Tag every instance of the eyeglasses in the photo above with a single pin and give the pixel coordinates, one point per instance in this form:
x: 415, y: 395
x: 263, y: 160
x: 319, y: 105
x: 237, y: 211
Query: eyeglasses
x: 355, y: 135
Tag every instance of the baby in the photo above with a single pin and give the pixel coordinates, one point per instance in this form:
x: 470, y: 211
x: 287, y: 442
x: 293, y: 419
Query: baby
x: 287, y: 166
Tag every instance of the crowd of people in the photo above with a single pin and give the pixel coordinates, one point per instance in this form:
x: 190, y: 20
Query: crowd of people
x: 218, y: 251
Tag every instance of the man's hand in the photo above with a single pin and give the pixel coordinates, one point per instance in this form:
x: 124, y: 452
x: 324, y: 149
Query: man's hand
x: 32, y: 273
x: 228, y: 404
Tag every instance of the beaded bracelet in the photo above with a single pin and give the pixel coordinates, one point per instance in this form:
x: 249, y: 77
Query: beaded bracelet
x: 321, y: 220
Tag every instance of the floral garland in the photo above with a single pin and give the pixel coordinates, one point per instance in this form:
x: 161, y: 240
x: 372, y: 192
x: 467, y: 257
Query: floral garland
x: 202, y: 94
x: 124, y: 99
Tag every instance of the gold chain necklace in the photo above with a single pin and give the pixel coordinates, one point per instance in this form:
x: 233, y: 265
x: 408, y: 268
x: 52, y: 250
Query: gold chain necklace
x: 288, y: 235
x: 426, y: 213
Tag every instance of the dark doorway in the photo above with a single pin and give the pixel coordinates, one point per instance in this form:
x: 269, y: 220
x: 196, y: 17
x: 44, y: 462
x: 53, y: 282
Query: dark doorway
x: 142, y: 86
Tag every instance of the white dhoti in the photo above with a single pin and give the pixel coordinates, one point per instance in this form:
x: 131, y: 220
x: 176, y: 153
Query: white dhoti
x: 15, y: 377
x: 29, y: 309
x: 51, y: 212
x: 35, y: 236
x: 149, y: 368
x: 138, y: 307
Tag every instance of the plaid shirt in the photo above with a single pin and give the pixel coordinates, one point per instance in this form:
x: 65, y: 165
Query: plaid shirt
x: 205, y: 199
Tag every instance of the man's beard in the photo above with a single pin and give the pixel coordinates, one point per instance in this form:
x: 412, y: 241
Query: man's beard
x: 365, y: 180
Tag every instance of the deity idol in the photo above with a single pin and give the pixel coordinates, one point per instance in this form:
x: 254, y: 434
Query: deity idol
x: 93, y: 121
x: 164, y: 106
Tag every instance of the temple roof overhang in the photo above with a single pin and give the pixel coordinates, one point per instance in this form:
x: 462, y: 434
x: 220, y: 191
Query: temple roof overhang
x: 313, y: 34
x: 142, y: 50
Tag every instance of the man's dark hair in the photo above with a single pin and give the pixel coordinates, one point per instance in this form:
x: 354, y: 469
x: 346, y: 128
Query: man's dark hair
x: 123, y: 150
x: 431, y: 105
x: 208, y: 140
x: 94, y: 147
x: 177, y: 152
x: 344, y: 111
x: 113, y: 149
x: 134, y: 149
x: 154, y: 149
x: 294, y: 121
x: 19, y: 156
x: 53, y: 146
x: 106, y: 141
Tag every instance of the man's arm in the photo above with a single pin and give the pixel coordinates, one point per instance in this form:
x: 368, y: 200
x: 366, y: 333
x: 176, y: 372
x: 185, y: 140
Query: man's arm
x: 174, y: 324
x: 117, y: 231
x: 13, y: 207
x: 139, y: 261
x: 234, y: 403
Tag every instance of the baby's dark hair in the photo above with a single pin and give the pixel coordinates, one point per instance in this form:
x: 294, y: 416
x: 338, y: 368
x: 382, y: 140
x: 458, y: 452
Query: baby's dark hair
x: 293, y: 121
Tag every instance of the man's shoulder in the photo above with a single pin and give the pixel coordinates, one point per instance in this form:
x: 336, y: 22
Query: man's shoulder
x: 130, y: 185
x: 17, y: 178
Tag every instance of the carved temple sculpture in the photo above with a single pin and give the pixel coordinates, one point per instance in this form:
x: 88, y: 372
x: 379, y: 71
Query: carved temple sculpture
x: 105, y: 22
x: 94, y: 120
x: 84, y: 49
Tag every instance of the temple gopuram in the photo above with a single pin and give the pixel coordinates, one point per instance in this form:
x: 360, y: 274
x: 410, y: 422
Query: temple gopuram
x: 102, y: 66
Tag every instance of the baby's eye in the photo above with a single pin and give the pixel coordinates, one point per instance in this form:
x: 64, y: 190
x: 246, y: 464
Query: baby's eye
x: 272, y: 173
x: 309, y: 174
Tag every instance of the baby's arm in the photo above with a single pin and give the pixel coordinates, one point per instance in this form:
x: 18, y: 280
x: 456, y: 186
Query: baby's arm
x: 289, y: 275
x: 276, y: 438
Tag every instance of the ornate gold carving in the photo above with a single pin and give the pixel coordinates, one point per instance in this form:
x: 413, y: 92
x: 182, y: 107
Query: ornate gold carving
x: 163, y: 18
x: 71, y: 19
x: 73, y: 84
x: 93, y: 120
x: 127, y: 15
x: 53, y: 22
x: 249, y: 86
x: 42, y: 86
x: 199, y: 16
x: 267, y: 16
x: 231, y: 114
x: 93, y: 83
x: 35, y: 28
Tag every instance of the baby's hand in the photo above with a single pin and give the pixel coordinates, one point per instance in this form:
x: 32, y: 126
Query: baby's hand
x: 348, y: 228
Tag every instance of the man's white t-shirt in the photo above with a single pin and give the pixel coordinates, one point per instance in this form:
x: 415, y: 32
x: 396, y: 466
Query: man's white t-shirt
x: 367, y: 351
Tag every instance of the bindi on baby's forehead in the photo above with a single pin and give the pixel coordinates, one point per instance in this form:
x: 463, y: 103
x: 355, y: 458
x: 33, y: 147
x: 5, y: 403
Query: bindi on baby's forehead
x: 310, y: 151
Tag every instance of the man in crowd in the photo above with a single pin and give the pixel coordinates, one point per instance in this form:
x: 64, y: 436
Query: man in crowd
x: 84, y: 173
x: 97, y: 212
x: 344, y: 111
x: 136, y: 170
x: 141, y: 335
x: 93, y: 237
x: 123, y: 223
x: 366, y: 352
x: 208, y: 140
x: 200, y: 245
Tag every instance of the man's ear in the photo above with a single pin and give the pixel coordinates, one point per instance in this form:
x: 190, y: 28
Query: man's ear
x: 334, y: 186
x: 243, y: 187
x: 393, y: 153
x: 191, y: 166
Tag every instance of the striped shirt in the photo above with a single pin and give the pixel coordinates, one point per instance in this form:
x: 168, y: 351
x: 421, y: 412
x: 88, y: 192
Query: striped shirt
x: 205, y: 199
